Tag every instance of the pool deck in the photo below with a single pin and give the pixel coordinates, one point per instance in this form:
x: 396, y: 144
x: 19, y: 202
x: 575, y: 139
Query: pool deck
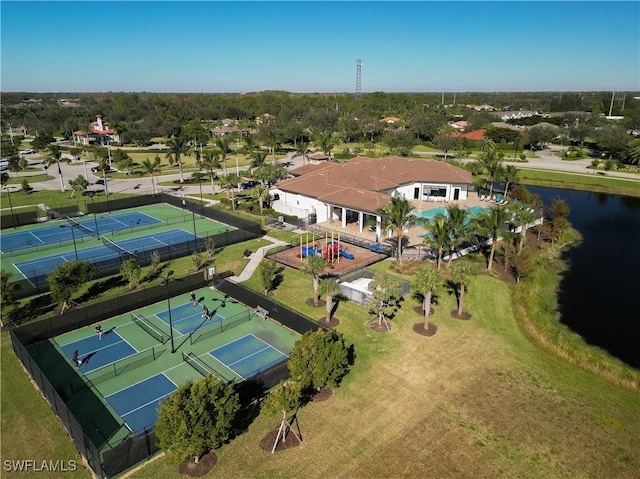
x: 414, y: 235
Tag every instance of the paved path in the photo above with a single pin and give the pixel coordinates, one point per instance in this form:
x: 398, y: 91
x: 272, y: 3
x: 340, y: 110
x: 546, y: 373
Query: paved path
x: 256, y: 257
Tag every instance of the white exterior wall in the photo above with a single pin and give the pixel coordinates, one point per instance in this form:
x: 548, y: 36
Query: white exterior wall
x: 406, y: 191
x: 299, y: 205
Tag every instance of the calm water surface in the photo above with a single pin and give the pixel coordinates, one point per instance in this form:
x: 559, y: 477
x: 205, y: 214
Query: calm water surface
x: 599, y: 297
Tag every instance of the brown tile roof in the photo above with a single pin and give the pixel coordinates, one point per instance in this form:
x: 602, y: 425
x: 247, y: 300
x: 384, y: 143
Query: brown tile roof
x: 364, y: 183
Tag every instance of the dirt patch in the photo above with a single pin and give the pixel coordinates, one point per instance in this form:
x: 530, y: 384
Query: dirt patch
x: 321, y: 303
x: 418, y: 309
x: 418, y: 328
x: 322, y: 395
x: 202, y: 467
x: 380, y: 328
x: 331, y: 324
x: 464, y: 316
x: 290, y: 441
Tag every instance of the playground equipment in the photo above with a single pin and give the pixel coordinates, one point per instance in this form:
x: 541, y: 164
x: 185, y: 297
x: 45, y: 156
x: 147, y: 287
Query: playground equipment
x: 332, y: 251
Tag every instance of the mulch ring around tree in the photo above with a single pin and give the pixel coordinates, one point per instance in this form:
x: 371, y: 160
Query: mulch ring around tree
x: 418, y: 309
x: 267, y: 442
x: 331, y: 324
x: 464, y: 316
x: 419, y: 328
x: 202, y: 467
x: 311, y: 303
x: 322, y: 395
x: 380, y: 328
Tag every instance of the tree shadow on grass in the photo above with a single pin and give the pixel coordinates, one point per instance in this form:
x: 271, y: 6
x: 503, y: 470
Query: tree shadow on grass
x: 99, y: 287
x: 38, y: 306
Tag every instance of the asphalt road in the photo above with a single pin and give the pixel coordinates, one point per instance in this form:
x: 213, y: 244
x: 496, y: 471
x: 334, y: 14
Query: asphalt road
x: 545, y: 160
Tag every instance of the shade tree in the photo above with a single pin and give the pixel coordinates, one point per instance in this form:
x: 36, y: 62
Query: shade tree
x: 67, y: 279
x: 385, y: 290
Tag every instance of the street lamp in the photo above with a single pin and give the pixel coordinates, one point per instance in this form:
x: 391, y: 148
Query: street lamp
x: 165, y: 283
x: 74, y: 238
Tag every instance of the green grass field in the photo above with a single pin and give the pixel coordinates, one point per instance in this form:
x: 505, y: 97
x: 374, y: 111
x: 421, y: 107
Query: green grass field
x: 581, y: 181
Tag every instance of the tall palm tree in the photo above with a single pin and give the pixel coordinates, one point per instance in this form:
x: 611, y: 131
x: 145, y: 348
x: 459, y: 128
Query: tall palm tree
x: 458, y: 228
x: 301, y: 148
x: 396, y: 216
x: 509, y: 176
x: 491, y: 224
x: 315, y: 266
x: 223, y: 144
x: 260, y: 192
x: 177, y: 147
x: 427, y: 282
x: 151, y: 167
x: 211, y: 162
x: 54, y: 157
x: 523, y: 218
x: 258, y: 158
x: 439, y: 232
x: 461, y: 273
x: 229, y: 182
x: 324, y: 139
x: 329, y: 289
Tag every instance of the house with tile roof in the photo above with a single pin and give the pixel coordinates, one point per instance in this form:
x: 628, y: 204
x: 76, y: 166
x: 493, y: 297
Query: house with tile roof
x: 99, y: 133
x: 351, y: 192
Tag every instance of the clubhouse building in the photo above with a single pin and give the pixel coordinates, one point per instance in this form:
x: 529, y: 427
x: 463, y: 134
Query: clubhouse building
x: 351, y: 192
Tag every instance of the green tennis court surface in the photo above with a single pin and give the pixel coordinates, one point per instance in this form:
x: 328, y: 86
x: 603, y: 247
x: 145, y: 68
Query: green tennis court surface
x: 132, y: 368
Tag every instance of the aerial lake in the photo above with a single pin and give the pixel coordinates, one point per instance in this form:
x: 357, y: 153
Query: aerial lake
x: 599, y: 295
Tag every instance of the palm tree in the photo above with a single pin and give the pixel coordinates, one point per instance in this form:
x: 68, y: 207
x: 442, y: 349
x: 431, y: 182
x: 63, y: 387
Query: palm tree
x: 427, y: 283
x: 439, y: 232
x: 301, y: 148
x: 509, y: 175
x: 324, y: 140
x: 316, y: 264
x: 54, y: 157
x: 491, y: 223
x: 151, y: 167
x: 523, y: 218
x: 396, y: 216
x: 211, y: 162
x: 258, y: 158
x: 223, y: 144
x: 177, y: 147
x: 229, y: 182
x: 260, y: 192
x: 329, y: 288
x: 461, y: 272
x: 457, y: 226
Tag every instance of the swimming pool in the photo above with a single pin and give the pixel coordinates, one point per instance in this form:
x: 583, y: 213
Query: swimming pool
x: 430, y: 214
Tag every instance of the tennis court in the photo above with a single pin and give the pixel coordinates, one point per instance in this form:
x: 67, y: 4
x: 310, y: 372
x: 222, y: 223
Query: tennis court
x: 131, y: 369
x: 248, y: 355
x: 137, y: 404
x: 42, y: 266
x: 49, y: 235
x: 96, y: 353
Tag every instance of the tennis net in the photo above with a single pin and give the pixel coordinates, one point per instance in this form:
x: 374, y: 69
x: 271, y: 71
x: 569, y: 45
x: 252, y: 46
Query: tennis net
x: 116, y: 247
x: 112, y: 370
x: 149, y: 328
x: 197, y: 364
x: 219, y: 326
x: 73, y: 222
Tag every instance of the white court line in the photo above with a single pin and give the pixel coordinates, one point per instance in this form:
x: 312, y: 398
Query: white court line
x: 252, y: 354
x: 229, y: 368
x: 271, y: 345
x: 135, y: 384
x: 144, y: 405
x: 36, y: 237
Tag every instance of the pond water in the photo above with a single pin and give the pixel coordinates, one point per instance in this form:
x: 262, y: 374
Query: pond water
x: 599, y: 294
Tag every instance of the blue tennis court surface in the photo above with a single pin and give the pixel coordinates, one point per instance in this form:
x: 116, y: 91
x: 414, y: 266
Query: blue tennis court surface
x: 186, y: 318
x: 99, y: 352
x: 43, y: 266
x: 62, y: 232
x: 137, y: 405
x: 248, y: 355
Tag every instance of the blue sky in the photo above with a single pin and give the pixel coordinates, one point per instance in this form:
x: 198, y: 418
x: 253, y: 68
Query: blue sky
x: 215, y: 46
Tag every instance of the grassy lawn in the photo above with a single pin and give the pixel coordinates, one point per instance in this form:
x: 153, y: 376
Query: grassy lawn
x: 580, y: 181
x: 476, y: 400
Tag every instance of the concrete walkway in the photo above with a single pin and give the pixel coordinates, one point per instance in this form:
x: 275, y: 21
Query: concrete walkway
x: 256, y: 257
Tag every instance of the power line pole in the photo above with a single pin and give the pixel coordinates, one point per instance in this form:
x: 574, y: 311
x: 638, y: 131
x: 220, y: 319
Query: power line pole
x: 358, y: 78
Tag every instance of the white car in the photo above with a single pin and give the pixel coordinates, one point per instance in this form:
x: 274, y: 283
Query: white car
x: 28, y: 151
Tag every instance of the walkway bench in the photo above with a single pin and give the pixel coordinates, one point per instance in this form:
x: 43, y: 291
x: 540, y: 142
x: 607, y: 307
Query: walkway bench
x: 260, y: 311
x: 227, y: 274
